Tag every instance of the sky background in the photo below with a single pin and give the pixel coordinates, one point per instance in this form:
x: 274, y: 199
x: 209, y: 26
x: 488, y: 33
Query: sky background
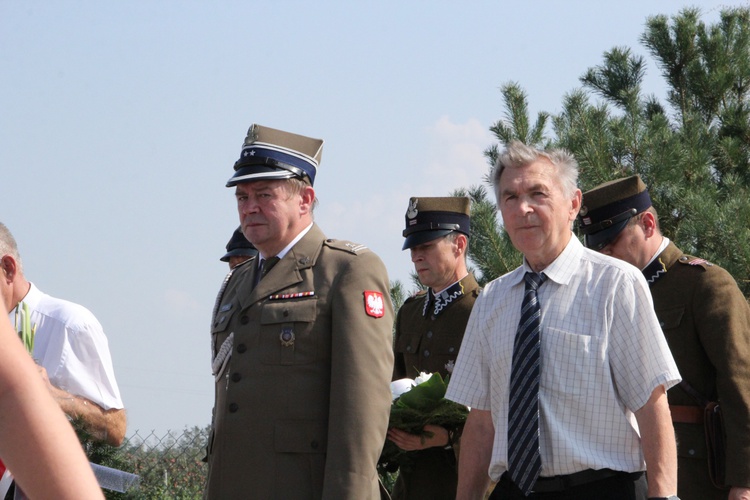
x: 120, y: 123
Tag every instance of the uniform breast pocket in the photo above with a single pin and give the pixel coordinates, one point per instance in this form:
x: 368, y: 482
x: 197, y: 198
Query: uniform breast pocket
x: 286, y: 335
x: 407, y: 344
x: 670, y: 318
x: 221, y: 342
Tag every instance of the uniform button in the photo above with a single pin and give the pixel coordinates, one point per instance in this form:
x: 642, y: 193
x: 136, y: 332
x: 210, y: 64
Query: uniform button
x: 429, y: 335
x: 691, y: 452
x: 236, y: 377
x: 314, y: 445
x: 408, y: 348
x: 241, y: 348
x: 451, y: 349
x: 661, y: 324
x: 285, y: 313
x: 244, y: 320
x: 233, y: 407
x: 426, y: 353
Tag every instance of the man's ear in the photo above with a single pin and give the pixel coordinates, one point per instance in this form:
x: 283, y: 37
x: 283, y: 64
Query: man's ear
x: 461, y: 243
x: 648, y: 223
x: 307, y: 196
x: 575, y: 205
x: 8, y: 264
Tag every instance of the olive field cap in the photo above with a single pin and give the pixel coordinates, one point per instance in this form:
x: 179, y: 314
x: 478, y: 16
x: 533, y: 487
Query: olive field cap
x: 606, y: 209
x: 238, y: 246
x: 430, y: 218
x: 274, y: 154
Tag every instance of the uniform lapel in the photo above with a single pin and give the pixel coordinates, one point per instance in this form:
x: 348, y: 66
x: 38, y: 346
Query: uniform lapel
x: 287, y: 272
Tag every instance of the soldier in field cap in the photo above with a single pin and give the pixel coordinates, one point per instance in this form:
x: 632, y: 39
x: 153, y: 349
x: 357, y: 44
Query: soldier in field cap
x: 301, y: 338
x: 238, y: 249
x: 706, y: 321
x: 429, y: 329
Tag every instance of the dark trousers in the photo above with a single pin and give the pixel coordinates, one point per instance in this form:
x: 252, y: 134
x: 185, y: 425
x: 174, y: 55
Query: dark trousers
x: 621, y: 486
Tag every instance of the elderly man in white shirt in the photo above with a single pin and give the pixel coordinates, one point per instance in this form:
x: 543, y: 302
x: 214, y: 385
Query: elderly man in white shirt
x: 70, y: 347
x: 590, y: 359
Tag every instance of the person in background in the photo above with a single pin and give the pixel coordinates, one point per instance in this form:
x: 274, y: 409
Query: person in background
x: 706, y: 321
x: 302, y: 353
x: 429, y: 329
x: 70, y: 348
x: 561, y: 358
x: 36, y: 441
x: 239, y: 249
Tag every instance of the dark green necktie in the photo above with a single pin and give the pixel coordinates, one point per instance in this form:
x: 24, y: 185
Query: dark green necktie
x: 266, y: 266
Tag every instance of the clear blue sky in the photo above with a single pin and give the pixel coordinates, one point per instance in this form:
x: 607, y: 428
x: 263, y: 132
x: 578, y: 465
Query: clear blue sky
x: 120, y: 123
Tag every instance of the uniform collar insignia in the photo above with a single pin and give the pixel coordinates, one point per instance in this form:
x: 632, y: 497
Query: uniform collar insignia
x: 655, y: 270
x: 436, y: 303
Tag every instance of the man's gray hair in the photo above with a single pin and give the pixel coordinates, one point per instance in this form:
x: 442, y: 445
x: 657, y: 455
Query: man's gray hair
x: 519, y: 155
x: 8, y: 245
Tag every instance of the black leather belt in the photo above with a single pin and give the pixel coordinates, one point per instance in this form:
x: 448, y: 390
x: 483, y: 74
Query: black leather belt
x: 562, y: 483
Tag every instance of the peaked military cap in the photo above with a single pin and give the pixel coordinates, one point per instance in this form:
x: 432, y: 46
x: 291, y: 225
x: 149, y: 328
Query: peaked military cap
x: 606, y: 209
x: 430, y: 218
x: 239, y: 246
x: 268, y: 153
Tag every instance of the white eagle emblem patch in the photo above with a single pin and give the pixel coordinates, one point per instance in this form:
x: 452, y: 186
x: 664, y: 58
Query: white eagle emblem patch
x: 374, y: 305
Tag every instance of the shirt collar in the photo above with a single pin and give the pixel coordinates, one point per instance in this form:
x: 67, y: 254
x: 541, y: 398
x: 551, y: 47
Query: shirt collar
x: 561, y: 269
x: 286, y: 249
x: 664, y: 244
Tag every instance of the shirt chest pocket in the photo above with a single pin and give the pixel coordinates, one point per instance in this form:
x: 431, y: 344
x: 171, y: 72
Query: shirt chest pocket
x: 287, y: 336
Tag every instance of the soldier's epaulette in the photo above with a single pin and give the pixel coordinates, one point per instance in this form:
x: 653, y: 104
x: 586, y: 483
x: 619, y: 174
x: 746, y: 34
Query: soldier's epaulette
x: 245, y: 262
x: 347, y: 246
x: 694, y: 261
x: 416, y: 295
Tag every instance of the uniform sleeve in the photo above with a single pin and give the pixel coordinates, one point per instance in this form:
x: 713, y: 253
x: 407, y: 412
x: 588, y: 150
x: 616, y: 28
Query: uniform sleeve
x: 470, y: 381
x: 722, y: 317
x: 361, y: 369
x: 399, y: 364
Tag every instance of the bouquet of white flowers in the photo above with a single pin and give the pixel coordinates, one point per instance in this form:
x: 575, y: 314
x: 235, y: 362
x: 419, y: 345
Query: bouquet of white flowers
x: 417, y: 403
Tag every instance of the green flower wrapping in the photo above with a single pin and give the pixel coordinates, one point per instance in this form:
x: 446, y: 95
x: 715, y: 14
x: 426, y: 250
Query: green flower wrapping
x: 27, y: 332
x: 423, y: 404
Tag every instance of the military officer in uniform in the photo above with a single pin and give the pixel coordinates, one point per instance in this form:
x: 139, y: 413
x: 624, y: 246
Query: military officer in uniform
x: 429, y: 329
x: 706, y: 321
x: 301, y: 341
x: 238, y: 249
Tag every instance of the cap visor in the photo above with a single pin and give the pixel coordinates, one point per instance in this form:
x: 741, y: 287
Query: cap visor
x: 420, y: 237
x: 601, y: 239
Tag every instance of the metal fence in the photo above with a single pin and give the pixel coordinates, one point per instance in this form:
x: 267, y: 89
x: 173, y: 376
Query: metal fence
x: 169, y: 466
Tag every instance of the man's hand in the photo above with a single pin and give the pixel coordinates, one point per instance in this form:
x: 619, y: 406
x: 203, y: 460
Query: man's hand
x: 434, y: 436
x: 45, y: 379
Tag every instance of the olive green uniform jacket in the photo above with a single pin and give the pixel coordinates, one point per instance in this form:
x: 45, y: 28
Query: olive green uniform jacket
x: 302, y: 403
x: 430, y: 344
x: 706, y: 321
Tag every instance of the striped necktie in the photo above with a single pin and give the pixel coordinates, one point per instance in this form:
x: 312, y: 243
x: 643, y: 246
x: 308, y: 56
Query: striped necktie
x: 524, y: 461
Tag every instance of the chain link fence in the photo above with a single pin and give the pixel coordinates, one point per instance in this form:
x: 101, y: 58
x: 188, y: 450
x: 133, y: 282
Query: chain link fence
x: 169, y: 466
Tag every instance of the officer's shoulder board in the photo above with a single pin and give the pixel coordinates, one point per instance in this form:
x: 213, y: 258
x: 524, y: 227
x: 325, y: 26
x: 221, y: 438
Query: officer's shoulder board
x: 346, y: 246
x: 694, y: 261
x: 416, y: 296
